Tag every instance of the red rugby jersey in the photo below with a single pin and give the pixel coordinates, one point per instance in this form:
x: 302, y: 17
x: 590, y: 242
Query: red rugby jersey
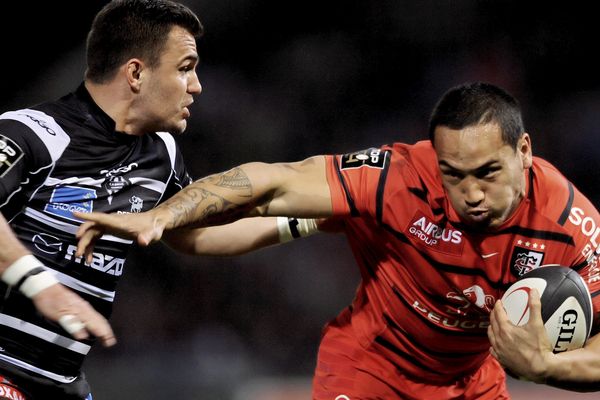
x: 428, y: 283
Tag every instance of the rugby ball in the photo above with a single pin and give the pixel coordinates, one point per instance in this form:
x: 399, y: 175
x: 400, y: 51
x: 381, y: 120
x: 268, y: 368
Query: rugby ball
x: 566, y: 305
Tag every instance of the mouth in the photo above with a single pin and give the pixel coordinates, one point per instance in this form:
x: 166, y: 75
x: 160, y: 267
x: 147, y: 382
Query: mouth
x: 478, y: 215
x: 186, y: 109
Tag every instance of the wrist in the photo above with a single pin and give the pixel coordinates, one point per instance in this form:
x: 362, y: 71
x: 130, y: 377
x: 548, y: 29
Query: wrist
x: 162, y: 218
x: 294, y: 228
x: 28, y: 275
x: 544, y: 370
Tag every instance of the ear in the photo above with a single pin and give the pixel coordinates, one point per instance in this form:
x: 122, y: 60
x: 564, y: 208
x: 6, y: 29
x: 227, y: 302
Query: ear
x: 524, y: 149
x: 134, y: 70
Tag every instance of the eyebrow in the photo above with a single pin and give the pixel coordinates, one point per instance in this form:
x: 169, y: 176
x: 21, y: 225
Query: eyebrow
x: 488, y: 164
x: 192, y: 57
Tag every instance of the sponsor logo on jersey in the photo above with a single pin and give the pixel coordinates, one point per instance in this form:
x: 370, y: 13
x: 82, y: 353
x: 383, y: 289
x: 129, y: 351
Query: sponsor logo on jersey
x: 458, y: 320
x: 100, y: 262
x: 47, y: 243
x: 10, y: 153
x: 373, y: 158
x: 524, y: 259
x: 10, y: 392
x: 471, y: 301
x: 586, y: 224
x: 479, y: 298
x: 42, y: 124
x: 589, y: 228
x: 67, y: 199
x: 440, y: 238
x: 591, y: 257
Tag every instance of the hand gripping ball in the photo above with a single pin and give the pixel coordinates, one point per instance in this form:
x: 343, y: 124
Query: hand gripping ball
x: 566, y: 305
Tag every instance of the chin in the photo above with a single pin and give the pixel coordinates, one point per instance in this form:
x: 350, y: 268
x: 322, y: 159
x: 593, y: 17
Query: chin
x: 177, y: 129
x: 479, y: 225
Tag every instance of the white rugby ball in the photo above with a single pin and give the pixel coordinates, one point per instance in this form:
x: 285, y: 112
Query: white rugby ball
x: 566, y: 305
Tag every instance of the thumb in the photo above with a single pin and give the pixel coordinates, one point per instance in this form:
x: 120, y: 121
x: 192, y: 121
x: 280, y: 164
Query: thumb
x: 148, y: 237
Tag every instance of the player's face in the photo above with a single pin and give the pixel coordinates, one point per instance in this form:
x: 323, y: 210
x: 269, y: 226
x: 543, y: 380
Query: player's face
x: 484, y: 177
x: 171, y: 84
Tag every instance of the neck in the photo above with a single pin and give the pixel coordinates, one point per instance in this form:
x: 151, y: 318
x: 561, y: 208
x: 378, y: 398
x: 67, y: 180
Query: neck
x: 115, y: 101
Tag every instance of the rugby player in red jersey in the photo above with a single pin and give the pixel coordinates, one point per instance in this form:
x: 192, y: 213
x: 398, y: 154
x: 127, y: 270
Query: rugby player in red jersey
x: 439, y: 230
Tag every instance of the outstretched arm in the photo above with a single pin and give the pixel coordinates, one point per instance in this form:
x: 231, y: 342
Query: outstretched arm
x: 245, y: 235
x: 297, y: 189
x: 236, y: 238
x: 526, y: 351
x: 22, y: 271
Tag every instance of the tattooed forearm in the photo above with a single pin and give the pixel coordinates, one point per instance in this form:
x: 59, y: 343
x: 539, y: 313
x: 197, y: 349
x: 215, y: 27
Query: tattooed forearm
x: 216, y: 199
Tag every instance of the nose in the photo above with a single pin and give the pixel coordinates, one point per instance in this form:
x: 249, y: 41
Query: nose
x: 194, y: 86
x: 473, y: 193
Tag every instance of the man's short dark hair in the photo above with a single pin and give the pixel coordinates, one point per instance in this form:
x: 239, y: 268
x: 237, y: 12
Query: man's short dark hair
x: 478, y: 103
x: 125, y: 29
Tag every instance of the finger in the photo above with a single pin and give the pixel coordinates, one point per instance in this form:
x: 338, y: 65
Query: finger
x: 89, y: 250
x: 100, y: 329
x: 147, y: 237
x: 500, y: 313
x: 494, y: 323
x: 491, y: 336
x: 93, y: 216
x: 535, y: 307
x: 74, y: 326
x: 86, y: 322
x: 85, y: 236
x: 83, y: 228
x: 494, y: 354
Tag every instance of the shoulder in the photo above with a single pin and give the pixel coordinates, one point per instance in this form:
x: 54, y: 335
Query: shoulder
x: 417, y: 166
x: 34, y: 128
x: 559, y: 200
x: 553, y: 194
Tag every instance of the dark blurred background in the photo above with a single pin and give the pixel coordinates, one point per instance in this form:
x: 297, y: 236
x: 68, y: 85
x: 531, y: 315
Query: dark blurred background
x: 283, y: 80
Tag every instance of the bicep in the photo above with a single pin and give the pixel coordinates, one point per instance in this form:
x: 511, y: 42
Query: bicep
x: 298, y: 189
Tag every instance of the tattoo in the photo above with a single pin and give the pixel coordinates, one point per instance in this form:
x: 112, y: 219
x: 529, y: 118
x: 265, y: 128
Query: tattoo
x: 236, y: 180
x: 216, y: 199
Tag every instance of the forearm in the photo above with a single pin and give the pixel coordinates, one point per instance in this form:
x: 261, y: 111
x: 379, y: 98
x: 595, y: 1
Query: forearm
x: 18, y: 268
x: 255, y: 189
x: 576, y: 370
x: 239, y: 237
x: 236, y: 238
x: 11, y: 248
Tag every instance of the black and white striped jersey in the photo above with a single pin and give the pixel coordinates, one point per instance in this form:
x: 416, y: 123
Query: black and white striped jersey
x: 57, y: 158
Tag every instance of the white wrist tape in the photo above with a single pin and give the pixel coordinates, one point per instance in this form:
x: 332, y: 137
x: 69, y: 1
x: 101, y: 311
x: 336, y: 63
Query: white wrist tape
x: 28, y: 275
x: 294, y: 228
x: 19, y: 269
x: 36, y: 283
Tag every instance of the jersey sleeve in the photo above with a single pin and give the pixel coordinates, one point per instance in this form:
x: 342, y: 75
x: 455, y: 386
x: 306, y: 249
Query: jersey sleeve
x: 583, y: 222
x: 30, y: 144
x: 580, y: 221
x: 355, y: 180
